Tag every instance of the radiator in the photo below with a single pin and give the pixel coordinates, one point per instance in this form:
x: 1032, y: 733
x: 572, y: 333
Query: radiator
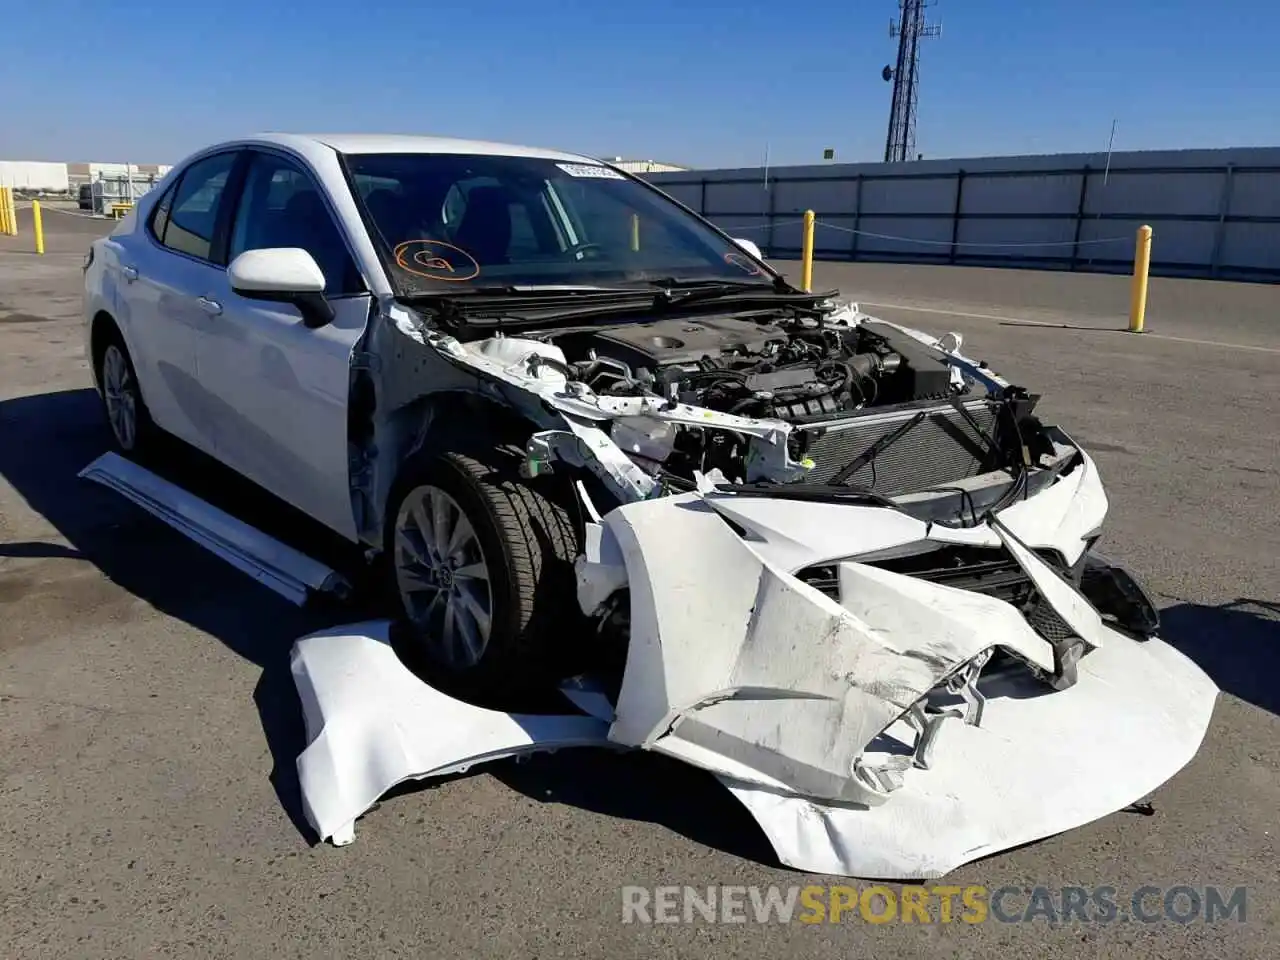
x: 940, y: 449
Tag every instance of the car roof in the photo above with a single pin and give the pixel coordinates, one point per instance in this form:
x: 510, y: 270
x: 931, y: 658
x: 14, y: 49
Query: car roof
x: 406, y: 143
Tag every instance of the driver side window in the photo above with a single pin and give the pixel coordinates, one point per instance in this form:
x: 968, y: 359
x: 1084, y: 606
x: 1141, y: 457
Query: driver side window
x: 282, y: 207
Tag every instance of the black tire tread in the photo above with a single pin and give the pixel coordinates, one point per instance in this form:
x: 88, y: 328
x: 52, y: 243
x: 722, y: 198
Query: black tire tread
x: 519, y: 508
x: 539, y: 542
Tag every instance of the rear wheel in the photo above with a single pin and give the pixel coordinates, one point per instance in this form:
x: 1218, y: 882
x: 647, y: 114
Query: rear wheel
x: 481, y: 562
x: 127, y: 414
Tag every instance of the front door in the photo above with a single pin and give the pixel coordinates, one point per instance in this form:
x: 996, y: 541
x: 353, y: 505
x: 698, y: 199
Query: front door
x: 285, y: 425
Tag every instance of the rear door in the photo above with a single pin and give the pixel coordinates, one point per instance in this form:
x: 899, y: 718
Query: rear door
x: 168, y: 268
x: 285, y: 426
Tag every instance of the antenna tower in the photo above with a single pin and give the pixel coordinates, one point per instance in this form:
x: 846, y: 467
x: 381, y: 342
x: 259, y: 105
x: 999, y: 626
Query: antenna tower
x: 910, y: 29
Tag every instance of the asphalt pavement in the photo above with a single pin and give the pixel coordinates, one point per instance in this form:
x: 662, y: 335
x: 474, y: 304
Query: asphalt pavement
x: 149, y: 725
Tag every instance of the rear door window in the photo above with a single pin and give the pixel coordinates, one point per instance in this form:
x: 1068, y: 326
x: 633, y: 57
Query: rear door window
x: 160, y: 214
x: 193, y: 218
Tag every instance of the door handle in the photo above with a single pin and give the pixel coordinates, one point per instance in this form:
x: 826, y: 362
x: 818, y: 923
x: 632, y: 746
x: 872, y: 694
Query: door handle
x: 130, y: 273
x: 211, y: 307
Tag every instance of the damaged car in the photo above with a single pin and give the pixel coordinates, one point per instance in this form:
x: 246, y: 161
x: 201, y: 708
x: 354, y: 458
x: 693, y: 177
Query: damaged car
x: 829, y: 558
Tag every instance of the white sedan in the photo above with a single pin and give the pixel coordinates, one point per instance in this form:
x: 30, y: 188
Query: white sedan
x: 271, y: 303
x: 556, y: 403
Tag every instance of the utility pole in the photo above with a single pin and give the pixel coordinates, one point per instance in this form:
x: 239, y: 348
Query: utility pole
x: 910, y: 29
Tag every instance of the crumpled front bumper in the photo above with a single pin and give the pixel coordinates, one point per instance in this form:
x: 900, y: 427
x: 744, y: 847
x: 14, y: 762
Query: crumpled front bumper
x: 801, y: 704
x: 1040, y: 764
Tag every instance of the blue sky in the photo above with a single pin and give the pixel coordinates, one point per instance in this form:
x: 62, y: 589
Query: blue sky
x: 701, y: 82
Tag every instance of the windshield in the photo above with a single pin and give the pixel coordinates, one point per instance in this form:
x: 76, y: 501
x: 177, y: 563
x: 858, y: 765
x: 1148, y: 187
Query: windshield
x: 450, y: 222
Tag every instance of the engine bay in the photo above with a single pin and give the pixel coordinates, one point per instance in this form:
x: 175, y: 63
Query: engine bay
x: 689, y: 398
x: 799, y: 371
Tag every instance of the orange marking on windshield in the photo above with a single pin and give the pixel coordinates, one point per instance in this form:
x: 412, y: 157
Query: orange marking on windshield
x: 436, y: 260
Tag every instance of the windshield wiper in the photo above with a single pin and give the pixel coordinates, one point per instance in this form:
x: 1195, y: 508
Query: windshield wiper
x: 674, y: 292
x: 517, y: 309
x: 547, y: 291
x: 678, y: 283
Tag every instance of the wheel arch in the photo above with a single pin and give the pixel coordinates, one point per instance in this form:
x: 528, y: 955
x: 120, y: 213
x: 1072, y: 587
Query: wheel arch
x: 104, y: 328
x: 431, y: 421
x: 100, y: 332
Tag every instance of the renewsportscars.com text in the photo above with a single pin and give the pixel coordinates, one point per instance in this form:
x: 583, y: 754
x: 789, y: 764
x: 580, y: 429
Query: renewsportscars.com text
x: 940, y: 903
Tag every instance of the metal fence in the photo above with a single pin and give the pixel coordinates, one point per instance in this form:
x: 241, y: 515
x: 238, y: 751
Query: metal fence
x: 1214, y: 213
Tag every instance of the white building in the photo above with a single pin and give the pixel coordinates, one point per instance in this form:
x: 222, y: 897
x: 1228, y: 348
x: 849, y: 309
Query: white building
x: 38, y: 176
x: 644, y: 166
x: 78, y: 173
x: 34, y: 175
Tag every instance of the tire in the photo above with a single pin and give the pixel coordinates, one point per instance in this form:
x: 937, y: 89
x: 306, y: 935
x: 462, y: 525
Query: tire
x: 129, y: 420
x: 524, y: 542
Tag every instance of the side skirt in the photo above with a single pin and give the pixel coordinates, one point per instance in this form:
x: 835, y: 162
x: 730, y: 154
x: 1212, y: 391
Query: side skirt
x: 271, y: 563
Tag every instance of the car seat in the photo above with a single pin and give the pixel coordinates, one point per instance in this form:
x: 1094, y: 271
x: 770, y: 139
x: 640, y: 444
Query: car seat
x: 485, y: 228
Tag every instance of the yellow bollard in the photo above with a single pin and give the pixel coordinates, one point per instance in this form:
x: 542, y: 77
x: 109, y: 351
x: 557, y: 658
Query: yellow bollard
x: 13, y: 214
x: 635, y: 232
x: 4, y: 212
x: 37, y: 226
x: 1141, y: 269
x: 806, y: 257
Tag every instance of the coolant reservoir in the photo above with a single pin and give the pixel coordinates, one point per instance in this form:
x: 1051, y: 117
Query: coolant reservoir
x: 512, y: 353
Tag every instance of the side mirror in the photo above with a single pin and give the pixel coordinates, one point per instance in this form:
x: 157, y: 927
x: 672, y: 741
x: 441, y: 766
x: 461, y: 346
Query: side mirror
x: 283, y: 275
x: 750, y: 247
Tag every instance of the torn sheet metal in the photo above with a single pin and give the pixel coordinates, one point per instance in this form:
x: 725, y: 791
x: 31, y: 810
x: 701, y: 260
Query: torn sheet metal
x: 273, y: 564
x: 1041, y: 763
x: 371, y: 724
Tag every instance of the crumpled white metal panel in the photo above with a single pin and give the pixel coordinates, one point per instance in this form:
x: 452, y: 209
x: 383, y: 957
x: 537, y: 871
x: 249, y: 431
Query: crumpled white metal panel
x: 372, y: 723
x: 760, y: 672
x: 1037, y: 766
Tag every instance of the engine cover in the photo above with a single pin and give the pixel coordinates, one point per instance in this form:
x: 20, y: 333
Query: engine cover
x: 665, y: 342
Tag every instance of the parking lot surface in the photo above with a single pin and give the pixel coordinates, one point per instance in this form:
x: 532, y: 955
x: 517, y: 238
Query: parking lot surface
x: 149, y: 725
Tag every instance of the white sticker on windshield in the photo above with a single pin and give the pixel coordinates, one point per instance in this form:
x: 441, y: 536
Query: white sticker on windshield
x: 590, y: 170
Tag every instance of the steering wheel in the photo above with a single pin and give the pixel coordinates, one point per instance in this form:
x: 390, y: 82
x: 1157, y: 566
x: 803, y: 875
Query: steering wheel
x: 579, y: 251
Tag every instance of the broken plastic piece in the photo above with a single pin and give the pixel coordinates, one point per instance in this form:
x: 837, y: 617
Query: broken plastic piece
x: 885, y: 777
x: 1116, y: 593
x: 987, y: 787
x: 372, y: 723
x: 965, y: 685
x: 1067, y: 654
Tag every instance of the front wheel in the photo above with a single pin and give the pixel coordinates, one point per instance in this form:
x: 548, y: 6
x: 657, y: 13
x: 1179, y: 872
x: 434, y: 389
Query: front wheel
x: 482, y: 567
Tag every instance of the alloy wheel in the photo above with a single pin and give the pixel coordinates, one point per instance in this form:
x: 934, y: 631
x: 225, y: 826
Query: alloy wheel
x: 120, y: 393
x: 443, y: 577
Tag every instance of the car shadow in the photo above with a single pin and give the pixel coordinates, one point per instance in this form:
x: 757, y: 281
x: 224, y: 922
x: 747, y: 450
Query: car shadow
x: 639, y: 785
x: 628, y: 785
x: 46, y: 439
x: 1237, y: 644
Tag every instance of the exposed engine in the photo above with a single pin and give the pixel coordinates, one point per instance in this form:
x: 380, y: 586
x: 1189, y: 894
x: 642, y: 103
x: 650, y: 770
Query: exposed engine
x: 799, y: 371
